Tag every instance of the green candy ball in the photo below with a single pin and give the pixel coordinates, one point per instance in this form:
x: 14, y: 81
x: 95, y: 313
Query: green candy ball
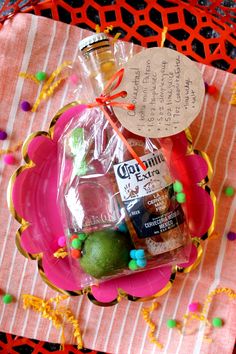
x: 180, y: 197
x: 41, y: 76
x: 217, y: 322
x: 7, y: 298
x: 171, y: 323
x: 178, y: 187
x: 229, y: 191
x: 76, y: 244
x: 82, y: 237
x: 133, y: 265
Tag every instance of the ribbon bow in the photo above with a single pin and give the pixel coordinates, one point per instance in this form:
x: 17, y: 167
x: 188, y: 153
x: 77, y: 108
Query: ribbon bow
x: 106, y: 100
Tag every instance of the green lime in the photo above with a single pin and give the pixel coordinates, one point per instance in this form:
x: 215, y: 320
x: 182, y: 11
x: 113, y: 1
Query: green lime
x: 105, y: 252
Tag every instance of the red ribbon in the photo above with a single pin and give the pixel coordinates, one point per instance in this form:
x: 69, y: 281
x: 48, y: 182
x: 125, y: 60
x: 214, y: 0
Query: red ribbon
x: 108, y: 100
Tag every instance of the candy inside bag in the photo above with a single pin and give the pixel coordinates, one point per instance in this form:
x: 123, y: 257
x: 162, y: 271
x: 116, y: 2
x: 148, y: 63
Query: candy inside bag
x: 118, y: 216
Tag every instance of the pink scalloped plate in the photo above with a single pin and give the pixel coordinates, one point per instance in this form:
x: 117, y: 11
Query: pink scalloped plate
x: 32, y: 199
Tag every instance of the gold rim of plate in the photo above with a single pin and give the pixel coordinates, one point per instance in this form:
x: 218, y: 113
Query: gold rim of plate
x: 121, y: 293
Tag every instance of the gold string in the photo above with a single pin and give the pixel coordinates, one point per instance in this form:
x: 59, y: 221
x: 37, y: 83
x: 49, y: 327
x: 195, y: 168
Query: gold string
x: 57, y: 315
x: 30, y: 77
x: 121, y: 295
x: 229, y: 292
x: 146, y: 312
x: 63, y: 340
x: 233, y: 97
x: 202, y: 316
x: 193, y: 316
x: 60, y: 253
x: 70, y: 319
x: 117, y: 36
x: 73, y: 321
x: 52, y: 88
x: 163, y: 36
x: 12, y: 149
x: 108, y: 29
x: 97, y: 29
x: 48, y: 89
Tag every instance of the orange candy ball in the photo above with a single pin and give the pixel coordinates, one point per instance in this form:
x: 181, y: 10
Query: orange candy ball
x: 75, y: 253
x: 211, y: 89
x: 73, y: 237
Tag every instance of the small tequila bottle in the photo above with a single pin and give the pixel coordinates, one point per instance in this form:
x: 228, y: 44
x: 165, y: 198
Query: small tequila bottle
x: 89, y: 199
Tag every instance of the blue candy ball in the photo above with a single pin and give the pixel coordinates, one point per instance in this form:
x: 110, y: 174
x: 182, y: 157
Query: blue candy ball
x: 123, y: 228
x: 133, y: 254
x: 140, y: 253
x: 141, y: 262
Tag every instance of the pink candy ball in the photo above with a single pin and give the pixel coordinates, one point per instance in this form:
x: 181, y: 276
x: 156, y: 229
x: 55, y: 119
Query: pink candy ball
x: 194, y: 307
x: 74, y: 79
x: 9, y: 159
x: 62, y: 241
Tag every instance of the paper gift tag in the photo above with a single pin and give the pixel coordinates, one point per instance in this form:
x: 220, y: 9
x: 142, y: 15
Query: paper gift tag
x: 167, y: 90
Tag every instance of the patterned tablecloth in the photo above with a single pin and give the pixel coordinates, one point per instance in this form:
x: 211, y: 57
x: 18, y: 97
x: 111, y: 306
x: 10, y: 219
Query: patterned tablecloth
x: 30, y: 43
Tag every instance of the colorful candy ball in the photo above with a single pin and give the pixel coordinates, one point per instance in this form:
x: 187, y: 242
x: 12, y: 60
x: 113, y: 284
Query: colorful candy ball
x: 7, y: 298
x: 82, y: 237
x: 76, y: 243
x: 141, y: 262
x: 133, y: 254
x: 123, y: 228
x: 217, y: 322
x: 178, y: 187
x: 231, y: 236
x: 62, y: 241
x: 73, y: 237
x: 133, y: 265
x: 74, y: 80
x: 194, y: 307
x: 75, y: 253
x: 229, y: 191
x: 211, y: 89
x: 181, y: 198
x: 41, y: 76
x: 140, y: 253
x: 25, y: 106
x: 171, y: 323
x: 3, y: 135
x: 9, y: 159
